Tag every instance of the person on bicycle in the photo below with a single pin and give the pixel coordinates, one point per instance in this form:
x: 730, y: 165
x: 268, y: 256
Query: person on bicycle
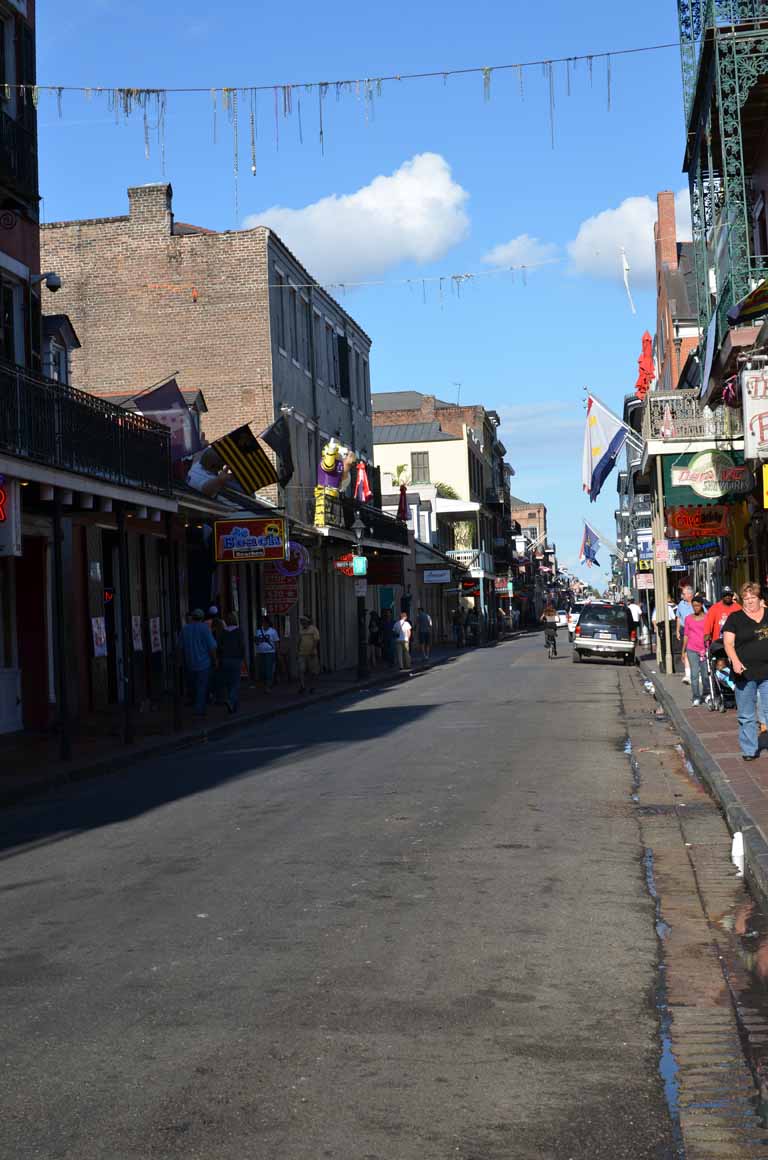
x: 549, y: 619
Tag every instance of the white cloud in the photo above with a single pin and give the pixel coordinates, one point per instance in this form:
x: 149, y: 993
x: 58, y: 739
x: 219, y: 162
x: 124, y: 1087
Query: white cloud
x: 415, y: 214
x: 596, y: 249
x: 521, y: 251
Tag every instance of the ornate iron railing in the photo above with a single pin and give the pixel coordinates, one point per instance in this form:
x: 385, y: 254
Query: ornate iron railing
x: 61, y: 427
x: 18, y: 155
x: 681, y: 416
x: 379, y: 525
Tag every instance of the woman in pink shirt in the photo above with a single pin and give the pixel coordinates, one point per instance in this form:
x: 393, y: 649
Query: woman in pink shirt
x: 694, y: 646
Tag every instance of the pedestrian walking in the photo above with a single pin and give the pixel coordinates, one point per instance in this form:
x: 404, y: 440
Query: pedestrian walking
x: 682, y: 611
x: 231, y: 649
x: 661, y: 636
x: 457, y: 626
x: 719, y: 613
x: 374, y: 638
x: 197, y: 648
x: 307, y: 654
x: 403, y: 632
x: 694, y: 646
x: 266, y: 640
x: 745, y: 637
x: 424, y: 633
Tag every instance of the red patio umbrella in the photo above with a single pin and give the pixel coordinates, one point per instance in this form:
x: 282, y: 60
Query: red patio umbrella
x: 646, y: 371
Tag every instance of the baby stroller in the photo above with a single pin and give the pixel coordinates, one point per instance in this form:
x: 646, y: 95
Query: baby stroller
x: 722, y: 694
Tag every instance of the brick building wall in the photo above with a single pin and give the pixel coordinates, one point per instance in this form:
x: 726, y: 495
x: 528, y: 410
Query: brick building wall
x: 147, y: 302
x: 676, y: 330
x: 530, y: 515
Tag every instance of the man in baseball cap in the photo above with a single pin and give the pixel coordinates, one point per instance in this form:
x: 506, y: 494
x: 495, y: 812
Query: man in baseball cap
x: 719, y: 613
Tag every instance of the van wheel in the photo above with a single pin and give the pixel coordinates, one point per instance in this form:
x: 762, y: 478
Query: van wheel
x: 576, y: 657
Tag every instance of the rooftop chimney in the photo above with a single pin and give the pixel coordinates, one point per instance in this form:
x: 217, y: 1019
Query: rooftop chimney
x: 665, y: 230
x: 151, y: 207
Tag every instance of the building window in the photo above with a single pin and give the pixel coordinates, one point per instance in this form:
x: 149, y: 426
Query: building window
x: 294, y: 323
x: 332, y: 357
x: 320, y: 359
x: 306, y: 329
x: 532, y: 533
x: 282, y: 340
x: 419, y: 467
x: 342, y: 347
x: 359, y: 388
x: 366, y: 387
x: 11, y: 328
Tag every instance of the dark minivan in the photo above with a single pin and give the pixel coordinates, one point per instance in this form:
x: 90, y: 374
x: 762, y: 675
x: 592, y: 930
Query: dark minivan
x: 605, y: 630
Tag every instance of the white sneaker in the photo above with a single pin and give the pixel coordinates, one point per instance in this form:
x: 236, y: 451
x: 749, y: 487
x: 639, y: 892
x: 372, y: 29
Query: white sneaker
x: 686, y: 680
x: 697, y: 701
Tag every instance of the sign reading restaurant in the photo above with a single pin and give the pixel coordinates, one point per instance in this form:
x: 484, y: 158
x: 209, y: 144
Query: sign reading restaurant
x: 713, y: 474
x: 250, y: 539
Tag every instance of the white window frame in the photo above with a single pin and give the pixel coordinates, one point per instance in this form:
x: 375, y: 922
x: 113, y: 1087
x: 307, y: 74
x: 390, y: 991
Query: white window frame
x: 281, y: 274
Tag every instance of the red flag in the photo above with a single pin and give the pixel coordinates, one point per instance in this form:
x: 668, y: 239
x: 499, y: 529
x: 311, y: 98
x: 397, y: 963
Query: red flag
x: 363, y: 492
x: 402, y: 507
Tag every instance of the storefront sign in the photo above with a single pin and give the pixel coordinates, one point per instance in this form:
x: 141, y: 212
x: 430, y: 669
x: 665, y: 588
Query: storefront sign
x: 359, y: 566
x: 765, y: 488
x: 662, y: 551
x: 386, y: 570
x: 344, y: 564
x: 712, y: 475
x: 99, y: 634
x: 296, y: 561
x: 155, y: 639
x: 500, y: 584
x: 643, y: 581
x: 644, y: 542
x: 692, y: 522
x: 754, y: 394
x: 10, y: 517
x: 675, y: 561
x: 361, y: 587
x: 280, y: 593
x: 705, y: 548
x: 644, y: 566
x: 437, y: 576
x: 250, y: 539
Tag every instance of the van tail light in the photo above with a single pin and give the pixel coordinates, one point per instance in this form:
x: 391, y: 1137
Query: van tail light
x: 633, y: 634
x: 577, y: 630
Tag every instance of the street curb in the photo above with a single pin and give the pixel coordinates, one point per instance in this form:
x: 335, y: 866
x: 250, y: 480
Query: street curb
x: 117, y: 763
x: 736, y: 814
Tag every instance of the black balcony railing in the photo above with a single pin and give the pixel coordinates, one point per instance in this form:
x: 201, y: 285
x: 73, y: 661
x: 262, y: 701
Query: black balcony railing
x: 61, y: 427
x: 379, y: 525
x: 18, y: 155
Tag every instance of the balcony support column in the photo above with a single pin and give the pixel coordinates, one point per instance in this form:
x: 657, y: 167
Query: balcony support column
x: 660, y: 577
x: 129, y: 691
x: 59, y: 633
x: 173, y: 616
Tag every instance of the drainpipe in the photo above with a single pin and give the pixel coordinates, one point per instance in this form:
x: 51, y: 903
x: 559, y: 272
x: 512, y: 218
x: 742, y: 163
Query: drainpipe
x: 660, y: 573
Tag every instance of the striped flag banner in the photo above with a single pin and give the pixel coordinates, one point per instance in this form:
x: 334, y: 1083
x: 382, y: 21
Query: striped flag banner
x: 246, y: 460
x: 589, y: 545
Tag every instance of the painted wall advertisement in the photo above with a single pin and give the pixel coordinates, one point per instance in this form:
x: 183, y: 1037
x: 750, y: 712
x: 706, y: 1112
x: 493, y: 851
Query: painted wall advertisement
x: 250, y: 539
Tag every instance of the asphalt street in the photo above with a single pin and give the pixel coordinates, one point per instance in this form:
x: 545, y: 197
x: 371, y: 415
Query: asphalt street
x: 412, y: 926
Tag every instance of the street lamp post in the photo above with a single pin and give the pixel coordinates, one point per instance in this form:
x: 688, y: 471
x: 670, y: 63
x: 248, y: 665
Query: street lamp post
x: 358, y: 527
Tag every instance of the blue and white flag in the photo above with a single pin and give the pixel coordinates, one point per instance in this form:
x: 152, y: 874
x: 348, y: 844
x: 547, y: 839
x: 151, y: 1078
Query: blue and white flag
x: 604, y: 437
x: 589, y: 544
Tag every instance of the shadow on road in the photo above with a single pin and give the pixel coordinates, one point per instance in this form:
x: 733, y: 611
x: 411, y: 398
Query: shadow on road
x: 198, y: 768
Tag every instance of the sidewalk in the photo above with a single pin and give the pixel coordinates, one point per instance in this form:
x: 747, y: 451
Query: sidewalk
x: 711, y: 741
x: 30, y: 764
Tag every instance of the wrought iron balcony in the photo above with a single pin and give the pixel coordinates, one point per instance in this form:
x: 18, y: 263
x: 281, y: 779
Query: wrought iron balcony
x: 680, y: 416
x: 380, y: 525
x: 18, y: 155
x: 61, y: 427
x: 473, y: 558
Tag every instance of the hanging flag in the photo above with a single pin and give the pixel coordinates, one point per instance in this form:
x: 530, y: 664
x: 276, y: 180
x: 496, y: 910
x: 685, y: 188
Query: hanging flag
x: 604, y: 436
x: 589, y: 544
x: 166, y: 405
x: 245, y: 459
x: 753, y: 306
x: 278, y: 437
x: 402, y: 505
x: 363, y: 492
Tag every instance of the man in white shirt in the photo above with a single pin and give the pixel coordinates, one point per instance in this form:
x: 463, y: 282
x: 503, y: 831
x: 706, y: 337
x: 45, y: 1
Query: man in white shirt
x: 403, y: 632
x: 636, y: 611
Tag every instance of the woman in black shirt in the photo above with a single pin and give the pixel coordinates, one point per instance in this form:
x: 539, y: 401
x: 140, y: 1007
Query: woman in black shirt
x: 745, y: 636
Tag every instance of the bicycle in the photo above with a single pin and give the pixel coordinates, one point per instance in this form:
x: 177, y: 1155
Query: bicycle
x: 551, y: 643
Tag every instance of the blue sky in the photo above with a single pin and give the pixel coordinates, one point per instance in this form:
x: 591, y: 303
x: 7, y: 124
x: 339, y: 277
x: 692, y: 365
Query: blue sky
x: 435, y: 180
